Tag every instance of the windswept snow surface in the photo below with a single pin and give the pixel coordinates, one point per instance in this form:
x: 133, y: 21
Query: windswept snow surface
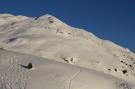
x: 63, y: 57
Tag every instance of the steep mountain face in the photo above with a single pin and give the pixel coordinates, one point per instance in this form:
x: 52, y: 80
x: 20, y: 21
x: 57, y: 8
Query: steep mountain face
x: 48, y: 37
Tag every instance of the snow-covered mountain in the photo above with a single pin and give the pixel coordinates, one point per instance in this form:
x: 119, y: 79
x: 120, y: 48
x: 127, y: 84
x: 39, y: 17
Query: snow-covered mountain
x: 63, y: 57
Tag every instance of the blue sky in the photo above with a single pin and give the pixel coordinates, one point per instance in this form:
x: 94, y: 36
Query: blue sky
x: 108, y: 19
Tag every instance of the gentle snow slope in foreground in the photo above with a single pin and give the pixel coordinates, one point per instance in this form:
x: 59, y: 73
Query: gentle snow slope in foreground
x: 50, y: 38
x: 48, y: 74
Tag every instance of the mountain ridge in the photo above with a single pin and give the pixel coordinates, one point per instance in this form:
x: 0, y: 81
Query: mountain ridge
x: 48, y: 37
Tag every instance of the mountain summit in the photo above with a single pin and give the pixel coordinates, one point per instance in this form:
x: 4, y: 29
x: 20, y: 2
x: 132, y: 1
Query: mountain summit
x: 49, y: 38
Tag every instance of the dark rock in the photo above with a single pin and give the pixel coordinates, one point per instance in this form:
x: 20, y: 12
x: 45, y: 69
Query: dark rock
x: 124, y: 71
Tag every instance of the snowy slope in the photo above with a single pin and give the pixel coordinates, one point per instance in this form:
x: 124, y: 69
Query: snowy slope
x: 47, y: 74
x: 50, y: 38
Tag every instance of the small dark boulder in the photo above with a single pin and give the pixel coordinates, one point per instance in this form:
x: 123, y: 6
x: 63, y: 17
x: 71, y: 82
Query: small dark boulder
x: 29, y: 66
x: 124, y: 71
x: 115, y: 70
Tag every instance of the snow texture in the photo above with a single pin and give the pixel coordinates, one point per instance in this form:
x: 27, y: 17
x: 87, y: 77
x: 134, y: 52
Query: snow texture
x: 45, y: 53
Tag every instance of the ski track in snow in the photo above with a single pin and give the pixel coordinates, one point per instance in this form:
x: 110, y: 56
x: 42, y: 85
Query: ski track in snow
x: 72, y: 78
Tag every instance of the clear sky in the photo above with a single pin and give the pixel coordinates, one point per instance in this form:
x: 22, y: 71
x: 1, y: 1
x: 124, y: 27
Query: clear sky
x: 108, y: 19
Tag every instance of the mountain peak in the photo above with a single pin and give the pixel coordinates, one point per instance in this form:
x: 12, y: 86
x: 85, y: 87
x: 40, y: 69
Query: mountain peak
x: 50, y: 18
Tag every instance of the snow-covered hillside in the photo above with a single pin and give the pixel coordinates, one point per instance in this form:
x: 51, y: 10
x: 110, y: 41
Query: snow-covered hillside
x: 68, y: 57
